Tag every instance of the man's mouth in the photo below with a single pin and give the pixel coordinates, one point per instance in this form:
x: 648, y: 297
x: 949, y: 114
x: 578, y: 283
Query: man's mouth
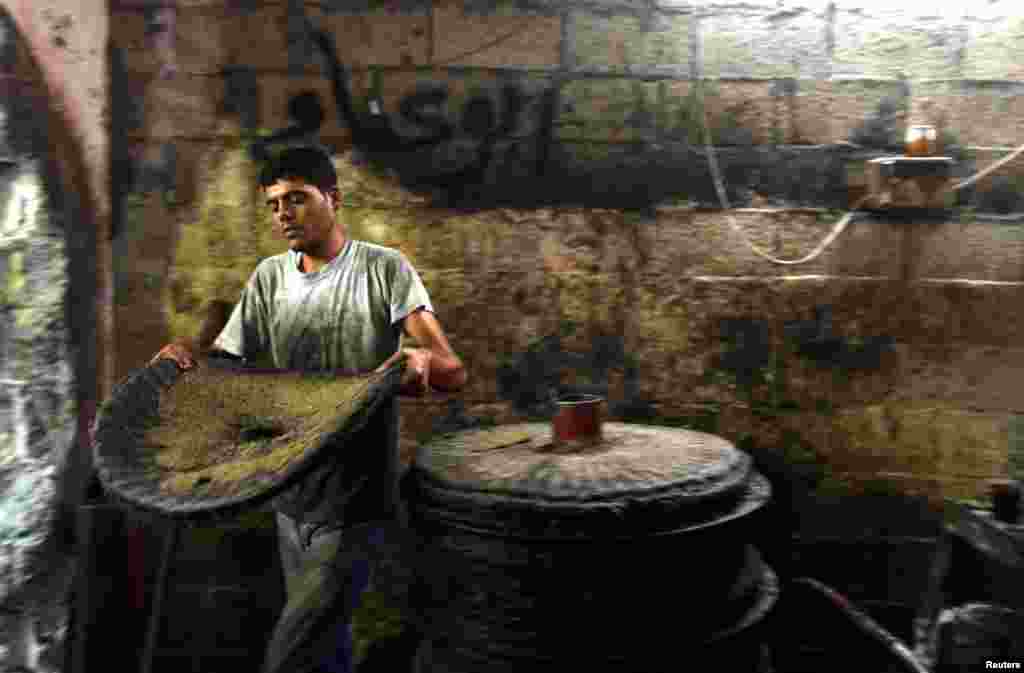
x: 292, y: 232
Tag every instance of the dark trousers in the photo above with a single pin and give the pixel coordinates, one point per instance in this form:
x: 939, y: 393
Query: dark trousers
x: 326, y: 572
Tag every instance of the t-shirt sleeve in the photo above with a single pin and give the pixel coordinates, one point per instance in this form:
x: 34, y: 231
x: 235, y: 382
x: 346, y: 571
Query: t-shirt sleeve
x: 246, y: 333
x: 406, y: 290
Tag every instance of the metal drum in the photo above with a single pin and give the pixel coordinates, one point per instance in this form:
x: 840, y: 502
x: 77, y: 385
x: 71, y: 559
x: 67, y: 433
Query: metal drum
x: 621, y: 548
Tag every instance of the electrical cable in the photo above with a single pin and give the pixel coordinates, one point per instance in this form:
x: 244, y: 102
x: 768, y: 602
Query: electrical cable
x: 840, y: 226
x: 978, y: 176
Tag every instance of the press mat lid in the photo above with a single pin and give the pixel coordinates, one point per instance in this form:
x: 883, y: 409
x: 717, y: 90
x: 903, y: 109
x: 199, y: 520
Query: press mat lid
x: 639, y: 480
x: 630, y: 459
x: 221, y: 437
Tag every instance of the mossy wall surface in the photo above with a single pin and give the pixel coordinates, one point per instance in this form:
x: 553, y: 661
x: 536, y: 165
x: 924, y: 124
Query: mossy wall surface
x: 561, y: 211
x: 52, y: 345
x: 580, y: 252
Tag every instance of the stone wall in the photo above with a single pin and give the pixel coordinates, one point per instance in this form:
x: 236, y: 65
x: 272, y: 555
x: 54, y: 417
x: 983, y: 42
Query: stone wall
x: 52, y: 346
x: 573, y: 189
x: 547, y: 175
x: 545, y: 171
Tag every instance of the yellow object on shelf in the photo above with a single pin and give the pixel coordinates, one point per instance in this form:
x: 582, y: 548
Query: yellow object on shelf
x: 921, y: 141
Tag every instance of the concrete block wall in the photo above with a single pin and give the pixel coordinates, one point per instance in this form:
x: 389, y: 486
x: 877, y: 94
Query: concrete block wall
x: 194, y: 84
x: 918, y: 384
x: 891, y: 357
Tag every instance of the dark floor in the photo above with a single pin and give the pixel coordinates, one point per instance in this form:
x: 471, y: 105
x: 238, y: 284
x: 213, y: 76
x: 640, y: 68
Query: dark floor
x: 226, y: 586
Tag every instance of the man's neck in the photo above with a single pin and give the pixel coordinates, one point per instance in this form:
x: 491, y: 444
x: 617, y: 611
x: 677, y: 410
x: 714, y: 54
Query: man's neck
x: 312, y: 262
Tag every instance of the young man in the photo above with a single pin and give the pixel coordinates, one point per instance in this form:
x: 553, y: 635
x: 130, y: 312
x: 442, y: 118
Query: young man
x: 331, y: 303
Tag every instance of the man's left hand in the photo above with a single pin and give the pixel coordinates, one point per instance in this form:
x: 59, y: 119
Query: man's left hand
x: 416, y: 377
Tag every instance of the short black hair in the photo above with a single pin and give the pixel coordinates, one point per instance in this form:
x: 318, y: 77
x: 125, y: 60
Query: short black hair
x: 308, y: 162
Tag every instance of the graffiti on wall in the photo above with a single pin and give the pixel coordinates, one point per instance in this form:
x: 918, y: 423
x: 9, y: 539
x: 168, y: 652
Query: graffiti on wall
x: 749, y: 356
x: 533, y: 379
x: 427, y: 147
x: 817, y: 341
x: 748, y: 349
x: 497, y: 145
x: 549, y: 151
x: 757, y: 361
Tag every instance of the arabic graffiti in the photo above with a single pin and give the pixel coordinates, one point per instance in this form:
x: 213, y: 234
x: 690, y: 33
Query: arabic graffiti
x: 532, y: 380
x: 817, y: 341
x: 423, y: 146
x: 497, y: 145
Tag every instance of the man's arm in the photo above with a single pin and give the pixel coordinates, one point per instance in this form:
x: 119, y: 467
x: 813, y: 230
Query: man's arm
x: 185, y: 350
x: 434, y: 364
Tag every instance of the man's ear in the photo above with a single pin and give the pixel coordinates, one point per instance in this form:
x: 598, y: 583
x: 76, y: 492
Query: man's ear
x: 335, y: 196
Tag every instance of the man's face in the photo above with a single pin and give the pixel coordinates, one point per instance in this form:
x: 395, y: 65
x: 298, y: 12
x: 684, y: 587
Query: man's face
x: 302, y: 213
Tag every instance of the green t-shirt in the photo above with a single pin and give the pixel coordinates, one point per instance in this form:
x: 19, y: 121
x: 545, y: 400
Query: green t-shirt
x: 346, y: 316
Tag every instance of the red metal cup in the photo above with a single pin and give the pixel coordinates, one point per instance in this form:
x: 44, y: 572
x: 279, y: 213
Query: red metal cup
x: 577, y: 422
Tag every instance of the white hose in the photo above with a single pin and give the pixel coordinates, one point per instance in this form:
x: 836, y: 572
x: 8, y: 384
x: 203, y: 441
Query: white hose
x: 840, y: 225
x: 1005, y: 160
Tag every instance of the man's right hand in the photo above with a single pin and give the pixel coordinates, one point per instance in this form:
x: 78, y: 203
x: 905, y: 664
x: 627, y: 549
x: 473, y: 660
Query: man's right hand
x: 183, y: 351
x: 179, y: 352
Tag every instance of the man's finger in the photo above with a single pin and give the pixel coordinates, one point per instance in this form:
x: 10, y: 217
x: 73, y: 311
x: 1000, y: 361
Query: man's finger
x: 387, y: 363
x: 399, y: 356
